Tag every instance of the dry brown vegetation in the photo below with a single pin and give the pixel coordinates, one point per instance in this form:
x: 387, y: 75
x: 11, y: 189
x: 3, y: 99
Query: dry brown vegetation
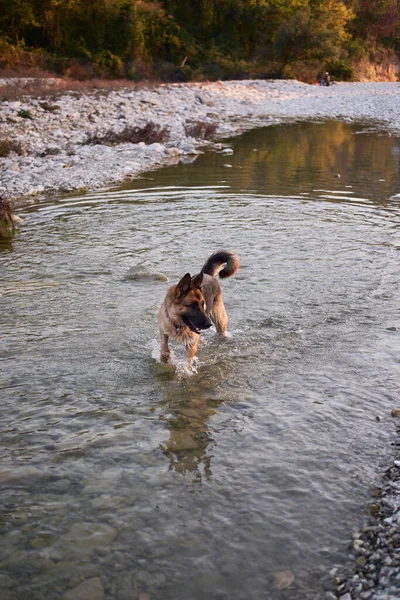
x: 381, y: 65
x: 149, y: 134
x: 47, y: 86
x: 201, y: 129
x: 7, y: 146
x: 48, y: 107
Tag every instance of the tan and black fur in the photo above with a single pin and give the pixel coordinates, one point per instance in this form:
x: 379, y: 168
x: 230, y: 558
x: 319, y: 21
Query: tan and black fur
x: 195, y: 303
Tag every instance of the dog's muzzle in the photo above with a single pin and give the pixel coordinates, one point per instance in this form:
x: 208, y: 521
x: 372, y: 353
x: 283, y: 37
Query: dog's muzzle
x: 198, y: 326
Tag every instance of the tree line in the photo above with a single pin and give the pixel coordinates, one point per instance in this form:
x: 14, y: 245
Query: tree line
x: 180, y: 40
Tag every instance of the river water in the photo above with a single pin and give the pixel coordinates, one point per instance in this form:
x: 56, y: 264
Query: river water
x: 246, y: 478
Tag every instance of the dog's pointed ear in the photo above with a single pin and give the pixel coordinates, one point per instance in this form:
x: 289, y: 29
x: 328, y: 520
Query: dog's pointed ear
x: 183, y: 286
x: 197, y: 281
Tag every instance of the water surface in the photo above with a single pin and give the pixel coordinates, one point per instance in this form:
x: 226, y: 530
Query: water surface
x: 187, y: 487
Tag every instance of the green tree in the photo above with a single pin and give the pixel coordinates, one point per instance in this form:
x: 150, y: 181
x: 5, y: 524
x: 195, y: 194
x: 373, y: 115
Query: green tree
x: 16, y: 16
x: 314, y: 32
x: 376, y: 19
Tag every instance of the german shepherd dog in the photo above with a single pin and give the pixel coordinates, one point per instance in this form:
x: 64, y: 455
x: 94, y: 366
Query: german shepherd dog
x: 195, y: 303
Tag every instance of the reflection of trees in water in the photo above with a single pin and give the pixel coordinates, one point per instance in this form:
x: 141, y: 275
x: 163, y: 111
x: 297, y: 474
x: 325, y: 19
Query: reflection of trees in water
x: 303, y: 155
x: 187, y: 409
x: 300, y: 158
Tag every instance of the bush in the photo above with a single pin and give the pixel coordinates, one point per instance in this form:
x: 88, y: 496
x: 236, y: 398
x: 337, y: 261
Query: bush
x: 149, y: 134
x: 212, y: 71
x: 25, y: 114
x: 166, y: 71
x: 201, y: 129
x: 136, y: 70
x: 48, y: 107
x: 377, y: 64
x: 20, y: 58
x: 108, y: 64
x: 7, y: 146
x: 79, y: 71
x: 341, y: 70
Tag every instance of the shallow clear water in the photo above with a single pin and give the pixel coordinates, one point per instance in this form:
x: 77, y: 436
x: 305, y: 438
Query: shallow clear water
x: 182, y: 486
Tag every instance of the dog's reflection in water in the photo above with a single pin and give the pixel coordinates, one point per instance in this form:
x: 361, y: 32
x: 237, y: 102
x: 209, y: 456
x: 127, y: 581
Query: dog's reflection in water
x: 187, y: 416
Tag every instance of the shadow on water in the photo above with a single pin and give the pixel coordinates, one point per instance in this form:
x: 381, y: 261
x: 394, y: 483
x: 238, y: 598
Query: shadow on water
x: 247, y: 478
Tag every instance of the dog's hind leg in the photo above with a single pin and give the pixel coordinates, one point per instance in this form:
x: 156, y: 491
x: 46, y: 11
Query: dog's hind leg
x: 219, y: 317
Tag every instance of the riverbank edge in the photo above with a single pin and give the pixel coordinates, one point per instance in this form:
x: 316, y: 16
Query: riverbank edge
x: 50, y: 135
x: 375, y: 548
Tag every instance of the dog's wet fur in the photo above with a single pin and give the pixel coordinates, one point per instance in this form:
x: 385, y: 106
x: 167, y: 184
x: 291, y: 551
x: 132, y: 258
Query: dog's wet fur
x: 195, y: 303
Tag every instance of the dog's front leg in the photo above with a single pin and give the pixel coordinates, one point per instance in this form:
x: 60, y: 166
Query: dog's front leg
x: 191, y: 352
x: 165, y: 352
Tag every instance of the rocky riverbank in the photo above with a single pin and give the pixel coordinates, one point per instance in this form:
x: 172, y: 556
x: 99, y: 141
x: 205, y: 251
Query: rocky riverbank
x: 376, y: 547
x: 51, y: 134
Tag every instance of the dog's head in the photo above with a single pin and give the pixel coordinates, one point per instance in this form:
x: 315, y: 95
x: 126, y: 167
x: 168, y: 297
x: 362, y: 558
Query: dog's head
x: 192, y: 306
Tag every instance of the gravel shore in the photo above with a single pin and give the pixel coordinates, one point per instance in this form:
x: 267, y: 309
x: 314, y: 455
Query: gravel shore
x: 55, y: 159
x: 376, y: 547
x: 52, y: 134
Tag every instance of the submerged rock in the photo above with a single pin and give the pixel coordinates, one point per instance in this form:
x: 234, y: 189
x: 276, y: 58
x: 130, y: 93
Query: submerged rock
x: 282, y: 579
x: 143, y: 272
x: 83, y: 538
x: 90, y: 589
x: 18, y: 475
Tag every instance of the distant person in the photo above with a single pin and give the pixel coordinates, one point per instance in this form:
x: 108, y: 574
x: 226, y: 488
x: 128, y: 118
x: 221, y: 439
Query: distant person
x: 327, y: 79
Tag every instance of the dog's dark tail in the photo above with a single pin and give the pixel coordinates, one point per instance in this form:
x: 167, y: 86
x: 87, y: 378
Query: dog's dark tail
x: 217, y: 260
